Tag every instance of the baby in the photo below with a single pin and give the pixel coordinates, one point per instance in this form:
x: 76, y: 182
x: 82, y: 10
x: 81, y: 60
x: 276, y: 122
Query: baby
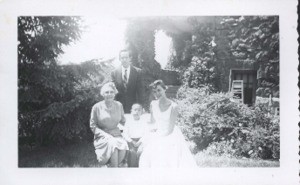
x: 135, y: 129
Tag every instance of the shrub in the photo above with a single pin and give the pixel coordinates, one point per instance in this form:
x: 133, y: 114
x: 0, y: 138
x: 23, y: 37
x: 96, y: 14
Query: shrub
x: 214, y: 119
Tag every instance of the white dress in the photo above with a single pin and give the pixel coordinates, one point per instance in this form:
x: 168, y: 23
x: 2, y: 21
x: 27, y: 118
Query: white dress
x: 169, y: 151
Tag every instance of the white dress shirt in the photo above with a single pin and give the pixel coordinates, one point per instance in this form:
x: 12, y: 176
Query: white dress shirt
x: 134, y: 128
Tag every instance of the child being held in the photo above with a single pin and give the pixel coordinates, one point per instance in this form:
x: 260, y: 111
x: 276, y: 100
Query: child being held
x: 135, y: 129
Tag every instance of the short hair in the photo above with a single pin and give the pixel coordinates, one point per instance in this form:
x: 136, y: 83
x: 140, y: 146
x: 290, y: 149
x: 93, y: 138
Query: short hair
x: 108, y: 85
x: 158, y: 83
x: 137, y: 105
x: 125, y: 50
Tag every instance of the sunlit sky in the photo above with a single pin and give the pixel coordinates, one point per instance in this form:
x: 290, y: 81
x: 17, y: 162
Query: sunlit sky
x: 104, y: 38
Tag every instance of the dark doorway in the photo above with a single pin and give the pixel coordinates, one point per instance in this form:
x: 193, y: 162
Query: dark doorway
x: 249, y: 83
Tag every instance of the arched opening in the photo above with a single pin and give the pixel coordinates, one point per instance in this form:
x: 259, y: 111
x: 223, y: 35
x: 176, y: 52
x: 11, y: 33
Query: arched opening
x: 163, y: 44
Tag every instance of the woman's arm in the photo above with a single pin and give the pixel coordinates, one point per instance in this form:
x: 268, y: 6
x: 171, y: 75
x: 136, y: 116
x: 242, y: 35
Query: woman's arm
x: 125, y: 133
x: 123, y: 119
x: 139, y: 142
x: 152, y: 120
x: 152, y: 125
x: 173, y: 118
x: 174, y: 114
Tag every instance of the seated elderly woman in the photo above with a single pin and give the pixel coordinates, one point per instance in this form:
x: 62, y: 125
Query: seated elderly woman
x: 109, y: 144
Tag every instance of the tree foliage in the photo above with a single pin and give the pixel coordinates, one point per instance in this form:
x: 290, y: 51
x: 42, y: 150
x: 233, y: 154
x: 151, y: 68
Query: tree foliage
x: 54, y: 100
x: 41, y: 38
x: 40, y: 42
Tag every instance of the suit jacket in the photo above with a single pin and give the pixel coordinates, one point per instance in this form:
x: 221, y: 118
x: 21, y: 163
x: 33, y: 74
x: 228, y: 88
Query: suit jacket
x: 132, y: 93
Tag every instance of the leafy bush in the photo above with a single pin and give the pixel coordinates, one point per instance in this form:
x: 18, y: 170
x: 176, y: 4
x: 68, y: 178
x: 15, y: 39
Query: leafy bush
x: 215, y: 120
x: 223, y: 148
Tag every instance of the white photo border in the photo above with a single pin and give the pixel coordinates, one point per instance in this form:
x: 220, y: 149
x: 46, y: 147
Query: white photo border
x: 287, y: 173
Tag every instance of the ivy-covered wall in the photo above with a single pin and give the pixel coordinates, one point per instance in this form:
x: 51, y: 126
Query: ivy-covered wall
x: 217, y: 44
x: 206, y: 50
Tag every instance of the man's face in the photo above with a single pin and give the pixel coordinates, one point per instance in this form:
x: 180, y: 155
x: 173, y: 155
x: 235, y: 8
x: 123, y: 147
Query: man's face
x: 125, y: 59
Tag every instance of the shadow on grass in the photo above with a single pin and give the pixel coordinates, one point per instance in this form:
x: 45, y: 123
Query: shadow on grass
x: 83, y: 155
x: 75, y: 155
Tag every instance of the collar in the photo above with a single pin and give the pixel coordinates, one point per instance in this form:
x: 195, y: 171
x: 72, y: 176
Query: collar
x: 128, y: 70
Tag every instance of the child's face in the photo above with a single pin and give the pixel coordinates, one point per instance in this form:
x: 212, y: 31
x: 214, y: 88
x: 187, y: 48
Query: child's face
x: 136, y: 111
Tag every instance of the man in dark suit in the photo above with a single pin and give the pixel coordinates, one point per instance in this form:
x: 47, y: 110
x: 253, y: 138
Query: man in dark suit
x: 127, y: 79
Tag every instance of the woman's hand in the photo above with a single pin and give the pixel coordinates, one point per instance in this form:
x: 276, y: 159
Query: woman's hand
x: 140, y: 149
x: 130, y: 144
x: 136, y: 144
x: 101, y: 133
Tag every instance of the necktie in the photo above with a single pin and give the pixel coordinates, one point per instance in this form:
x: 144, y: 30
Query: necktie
x: 125, y: 78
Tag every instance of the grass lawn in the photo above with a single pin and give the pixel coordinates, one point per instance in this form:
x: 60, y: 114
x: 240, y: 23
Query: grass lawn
x: 83, y: 155
x: 204, y: 160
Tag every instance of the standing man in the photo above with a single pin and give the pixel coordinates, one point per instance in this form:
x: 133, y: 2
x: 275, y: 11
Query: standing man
x: 127, y: 79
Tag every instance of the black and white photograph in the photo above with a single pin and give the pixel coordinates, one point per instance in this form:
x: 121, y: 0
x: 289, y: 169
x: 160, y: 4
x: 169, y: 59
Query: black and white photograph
x: 182, y: 91
x: 153, y: 98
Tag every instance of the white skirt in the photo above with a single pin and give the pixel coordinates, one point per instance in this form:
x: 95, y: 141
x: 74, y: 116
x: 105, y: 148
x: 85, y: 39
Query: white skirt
x: 169, y: 151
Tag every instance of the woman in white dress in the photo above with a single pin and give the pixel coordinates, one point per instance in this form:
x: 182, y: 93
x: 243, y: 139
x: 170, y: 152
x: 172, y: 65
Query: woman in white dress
x: 167, y: 146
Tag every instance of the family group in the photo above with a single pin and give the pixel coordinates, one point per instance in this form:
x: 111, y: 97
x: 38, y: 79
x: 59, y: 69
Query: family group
x: 124, y: 136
